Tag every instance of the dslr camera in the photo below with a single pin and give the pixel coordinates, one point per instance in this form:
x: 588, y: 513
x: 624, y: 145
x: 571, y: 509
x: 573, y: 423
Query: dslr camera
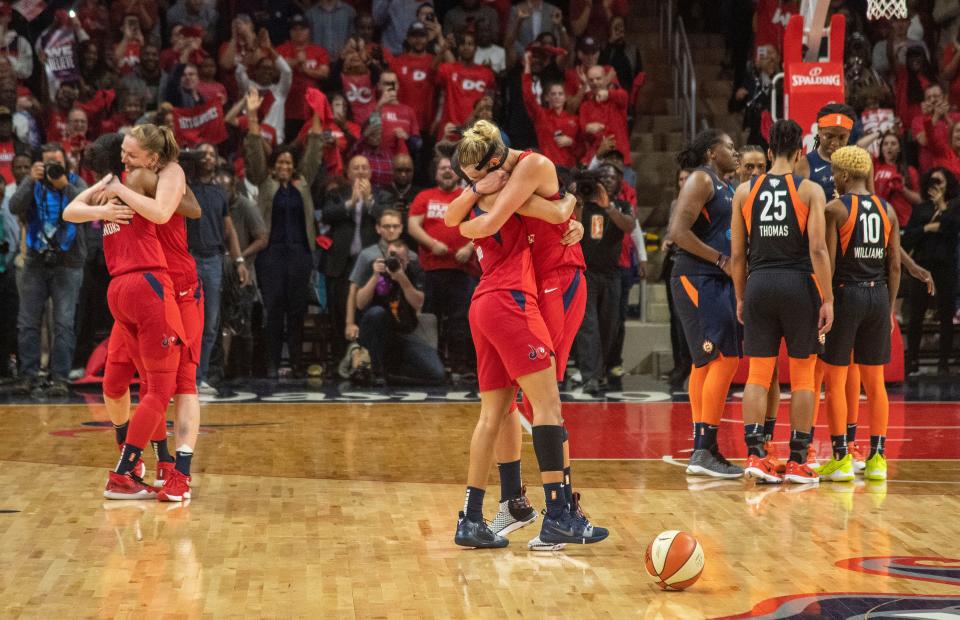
x: 587, y: 184
x: 53, y: 170
x: 392, y: 262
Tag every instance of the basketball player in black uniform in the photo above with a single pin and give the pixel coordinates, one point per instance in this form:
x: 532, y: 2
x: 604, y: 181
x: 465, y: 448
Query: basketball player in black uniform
x: 703, y: 293
x: 781, y: 217
x: 863, y: 236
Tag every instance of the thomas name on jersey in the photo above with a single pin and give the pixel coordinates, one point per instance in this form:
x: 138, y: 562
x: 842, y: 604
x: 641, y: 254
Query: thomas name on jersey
x: 774, y: 231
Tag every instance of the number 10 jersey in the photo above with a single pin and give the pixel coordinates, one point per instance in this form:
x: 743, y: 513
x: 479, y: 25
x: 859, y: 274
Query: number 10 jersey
x: 776, y: 221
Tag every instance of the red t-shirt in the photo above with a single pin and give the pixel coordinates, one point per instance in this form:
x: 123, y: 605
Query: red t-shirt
x: 56, y: 125
x: 771, y: 18
x: 889, y: 184
x: 943, y: 153
x: 417, y: 85
x: 613, y: 114
x: 432, y: 205
x: 948, y: 53
x: 359, y: 91
x: 130, y: 59
x: 316, y: 56
x: 211, y: 91
x: 173, y: 240
x: 906, y: 109
x: 7, y: 154
x: 462, y: 87
x: 926, y: 155
x: 397, y: 116
x: 548, y: 124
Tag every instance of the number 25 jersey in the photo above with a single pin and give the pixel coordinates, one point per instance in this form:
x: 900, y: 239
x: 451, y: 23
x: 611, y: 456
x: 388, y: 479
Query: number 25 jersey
x: 776, y: 222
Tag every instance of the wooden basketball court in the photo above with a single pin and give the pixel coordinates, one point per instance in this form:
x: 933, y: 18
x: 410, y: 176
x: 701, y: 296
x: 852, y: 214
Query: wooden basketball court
x: 349, y: 509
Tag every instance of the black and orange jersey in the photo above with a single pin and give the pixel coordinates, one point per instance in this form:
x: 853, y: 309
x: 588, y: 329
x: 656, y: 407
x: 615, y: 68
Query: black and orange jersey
x: 863, y: 239
x: 776, y: 222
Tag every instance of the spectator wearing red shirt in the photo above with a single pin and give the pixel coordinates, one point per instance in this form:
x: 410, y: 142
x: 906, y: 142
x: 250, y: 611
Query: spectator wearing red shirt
x: 401, y: 132
x: 558, y: 131
x: 894, y: 180
x: 444, y: 255
x: 127, y: 51
x: 945, y: 147
x: 416, y: 71
x: 310, y: 64
x: 75, y: 140
x: 575, y: 78
x: 145, y: 80
x: 208, y: 86
x: 591, y: 18
x: 56, y: 120
x: 950, y: 70
x: 9, y: 146
x: 770, y: 21
x: 912, y: 81
x: 357, y: 80
x: 461, y: 84
x: 370, y: 147
x: 604, y: 113
x: 935, y: 109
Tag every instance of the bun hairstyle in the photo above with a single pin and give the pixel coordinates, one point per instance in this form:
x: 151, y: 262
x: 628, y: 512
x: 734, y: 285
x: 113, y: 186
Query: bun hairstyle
x: 786, y: 138
x: 479, y: 144
x: 695, y: 154
x: 103, y: 156
x: 157, y: 139
x: 853, y: 160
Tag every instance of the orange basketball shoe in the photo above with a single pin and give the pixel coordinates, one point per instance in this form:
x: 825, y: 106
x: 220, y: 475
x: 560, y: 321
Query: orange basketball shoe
x: 125, y: 486
x: 778, y: 465
x: 800, y: 473
x: 859, y: 461
x: 762, y: 469
x: 176, y: 488
x: 163, y: 472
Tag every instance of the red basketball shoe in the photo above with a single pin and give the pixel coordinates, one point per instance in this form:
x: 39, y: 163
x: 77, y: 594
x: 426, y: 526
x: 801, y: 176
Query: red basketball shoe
x: 163, y: 472
x: 125, y: 486
x: 778, y: 465
x: 763, y: 469
x: 176, y: 488
x: 800, y: 473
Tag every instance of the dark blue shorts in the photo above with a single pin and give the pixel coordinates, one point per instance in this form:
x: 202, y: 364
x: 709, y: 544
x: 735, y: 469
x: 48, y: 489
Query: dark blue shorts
x: 707, y: 309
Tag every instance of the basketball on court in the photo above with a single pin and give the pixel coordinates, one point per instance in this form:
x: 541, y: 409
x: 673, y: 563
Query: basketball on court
x: 674, y: 559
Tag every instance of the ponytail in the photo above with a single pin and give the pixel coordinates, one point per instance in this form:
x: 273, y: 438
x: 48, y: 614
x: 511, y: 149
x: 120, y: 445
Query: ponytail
x: 158, y: 139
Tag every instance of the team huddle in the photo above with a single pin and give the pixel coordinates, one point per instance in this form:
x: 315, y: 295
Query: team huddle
x: 805, y: 253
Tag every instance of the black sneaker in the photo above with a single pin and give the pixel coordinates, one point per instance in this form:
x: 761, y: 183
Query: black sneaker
x: 514, y: 514
x: 477, y: 535
x: 56, y: 388
x: 19, y: 387
x: 567, y: 528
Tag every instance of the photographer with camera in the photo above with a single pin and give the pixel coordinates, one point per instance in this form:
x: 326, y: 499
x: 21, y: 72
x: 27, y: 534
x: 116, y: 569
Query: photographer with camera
x: 53, y: 268
x: 386, y: 287
x: 605, y: 220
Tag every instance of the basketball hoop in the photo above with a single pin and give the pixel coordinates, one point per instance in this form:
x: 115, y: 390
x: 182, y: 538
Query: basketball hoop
x: 886, y: 9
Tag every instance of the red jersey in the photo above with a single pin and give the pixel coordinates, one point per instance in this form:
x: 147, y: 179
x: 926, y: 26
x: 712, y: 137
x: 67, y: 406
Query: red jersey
x: 7, y: 154
x: 432, y: 204
x: 315, y: 56
x: 132, y: 247
x: 550, y: 124
x: 549, y: 253
x: 772, y: 17
x: 613, y: 114
x: 181, y: 266
x: 417, y: 79
x: 358, y: 89
x: 130, y: 59
x: 397, y: 116
x: 506, y: 259
x: 462, y: 87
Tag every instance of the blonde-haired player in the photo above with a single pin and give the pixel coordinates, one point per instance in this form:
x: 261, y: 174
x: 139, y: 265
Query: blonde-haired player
x: 864, y: 242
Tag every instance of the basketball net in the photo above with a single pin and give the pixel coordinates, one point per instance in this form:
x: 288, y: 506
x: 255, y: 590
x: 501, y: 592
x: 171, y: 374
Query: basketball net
x: 886, y: 9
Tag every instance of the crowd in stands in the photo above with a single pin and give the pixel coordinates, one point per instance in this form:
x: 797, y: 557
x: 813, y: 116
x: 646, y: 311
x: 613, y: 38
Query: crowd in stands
x: 902, y: 77
x: 311, y: 132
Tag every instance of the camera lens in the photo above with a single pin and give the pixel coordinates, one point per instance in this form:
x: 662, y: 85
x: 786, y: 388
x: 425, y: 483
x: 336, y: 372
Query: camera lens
x: 53, y: 170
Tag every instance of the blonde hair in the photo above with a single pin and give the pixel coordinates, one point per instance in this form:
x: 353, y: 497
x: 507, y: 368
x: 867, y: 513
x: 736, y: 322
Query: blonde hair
x: 476, y: 141
x: 853, y: 160
x: 157, y: 139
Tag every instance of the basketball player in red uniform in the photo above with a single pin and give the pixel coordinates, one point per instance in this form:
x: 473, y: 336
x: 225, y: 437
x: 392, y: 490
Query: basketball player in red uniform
x: 504, y: 317
x: 865, y: 282
x: 141, y: 299
x: 781, y: 217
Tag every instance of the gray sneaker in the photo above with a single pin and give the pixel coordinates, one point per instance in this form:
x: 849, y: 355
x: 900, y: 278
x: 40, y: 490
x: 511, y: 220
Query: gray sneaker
x: 705, y: 463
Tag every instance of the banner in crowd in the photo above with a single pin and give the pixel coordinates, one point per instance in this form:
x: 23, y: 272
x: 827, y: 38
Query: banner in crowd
x: 201, y: 123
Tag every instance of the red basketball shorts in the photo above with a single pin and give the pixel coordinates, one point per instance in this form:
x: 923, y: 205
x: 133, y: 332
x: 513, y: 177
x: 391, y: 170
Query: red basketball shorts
x: 563, y: 300
x: 146, y: 319
x: 510, y: 338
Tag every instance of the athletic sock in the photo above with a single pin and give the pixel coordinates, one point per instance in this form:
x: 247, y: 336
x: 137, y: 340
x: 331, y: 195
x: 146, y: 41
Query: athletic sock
x: 709, y: 437
x: 698, y: 435
x: 768, y: 425
x: 876, y: 444
x: 473, y: 504
x: 753, y: 435
x: 851, y: 433
x: 510, y: 481
x: 812, y: 430
x: 556, y: 498
x: 121, y: 432
x: 161, y: 450
x: 839, y: 446
x: 182, y: 462
x: 568, y: 486
x: 128, y: 458
x: 799, y: 442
